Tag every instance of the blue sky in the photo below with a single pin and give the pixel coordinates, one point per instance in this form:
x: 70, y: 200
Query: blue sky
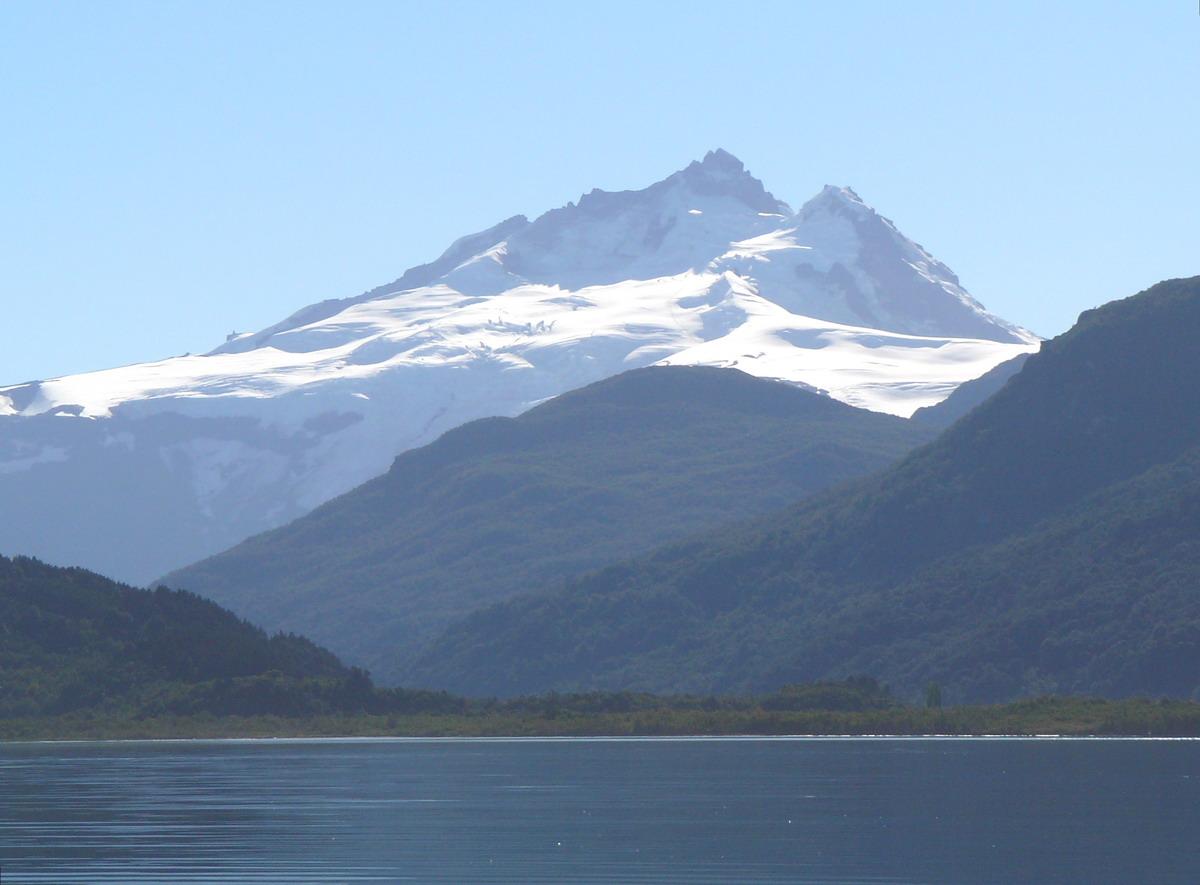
x: 173, y: 171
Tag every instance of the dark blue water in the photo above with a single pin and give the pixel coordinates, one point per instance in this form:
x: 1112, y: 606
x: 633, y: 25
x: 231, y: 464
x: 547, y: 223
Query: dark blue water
x: 874, y: 810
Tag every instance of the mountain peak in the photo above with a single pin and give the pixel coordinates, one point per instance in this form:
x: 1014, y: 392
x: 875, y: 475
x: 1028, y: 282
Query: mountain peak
x: 703, y: 267
x: 833, y: 198
x: 720, y: 173
x: 721, y: 159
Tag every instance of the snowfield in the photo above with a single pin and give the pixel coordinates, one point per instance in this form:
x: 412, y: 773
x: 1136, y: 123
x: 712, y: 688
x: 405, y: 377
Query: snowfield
x: 706, y: 318
x: 704, y: 268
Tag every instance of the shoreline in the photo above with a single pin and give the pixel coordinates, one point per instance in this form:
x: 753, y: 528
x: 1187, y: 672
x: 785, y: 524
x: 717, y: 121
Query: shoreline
x: 631, y: 739
x: 1050, y: 718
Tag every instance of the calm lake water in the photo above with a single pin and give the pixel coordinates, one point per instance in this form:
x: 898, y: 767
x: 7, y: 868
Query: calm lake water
x: 740, y: 810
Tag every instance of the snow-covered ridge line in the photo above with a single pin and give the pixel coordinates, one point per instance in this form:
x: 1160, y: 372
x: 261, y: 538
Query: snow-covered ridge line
x: 714, y: 318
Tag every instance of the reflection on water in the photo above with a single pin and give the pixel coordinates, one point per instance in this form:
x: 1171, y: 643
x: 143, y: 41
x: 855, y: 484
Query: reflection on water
x: 602, y: 811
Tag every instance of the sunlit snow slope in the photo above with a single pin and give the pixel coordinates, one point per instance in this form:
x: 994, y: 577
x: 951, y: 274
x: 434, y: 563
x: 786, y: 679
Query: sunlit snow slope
x: 138, y: 470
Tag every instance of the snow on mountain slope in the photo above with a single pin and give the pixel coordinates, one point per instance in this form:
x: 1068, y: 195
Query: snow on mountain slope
x: 705, y: 267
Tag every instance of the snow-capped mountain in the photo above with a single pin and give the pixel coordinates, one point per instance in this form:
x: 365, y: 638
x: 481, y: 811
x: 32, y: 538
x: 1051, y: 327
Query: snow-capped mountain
x: 138, y: 470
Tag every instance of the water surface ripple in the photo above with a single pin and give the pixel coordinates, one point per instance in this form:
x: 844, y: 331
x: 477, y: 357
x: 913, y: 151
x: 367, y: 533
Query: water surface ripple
x: 601, y: 811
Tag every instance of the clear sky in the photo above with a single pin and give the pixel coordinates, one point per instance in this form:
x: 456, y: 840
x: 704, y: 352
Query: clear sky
x: 172, y: 171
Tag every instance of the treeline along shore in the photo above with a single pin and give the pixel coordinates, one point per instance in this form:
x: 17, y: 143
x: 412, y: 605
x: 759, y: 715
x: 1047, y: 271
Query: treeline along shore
x: 855, y: 707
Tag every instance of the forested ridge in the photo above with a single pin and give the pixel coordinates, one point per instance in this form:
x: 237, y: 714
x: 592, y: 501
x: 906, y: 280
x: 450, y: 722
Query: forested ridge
x: 502, y: 505
x: 72, y: 640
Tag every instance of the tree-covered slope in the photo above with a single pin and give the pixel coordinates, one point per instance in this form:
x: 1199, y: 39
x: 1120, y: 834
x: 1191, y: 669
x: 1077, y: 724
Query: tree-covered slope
x: 73, y: 640
x: 1043, y: 541
x: 1103, y: 599
x: 505, y: 505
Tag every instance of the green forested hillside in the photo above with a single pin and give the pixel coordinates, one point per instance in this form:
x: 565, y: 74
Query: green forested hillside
x: 1045, y: 541
x: 502, y: 506
x: 71, y: 640
x: 1104, y: 599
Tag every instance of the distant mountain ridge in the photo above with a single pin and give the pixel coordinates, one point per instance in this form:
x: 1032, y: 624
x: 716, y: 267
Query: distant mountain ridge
x: 705, y: 267
x: 1046, y: 542
x: 500, y: 506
